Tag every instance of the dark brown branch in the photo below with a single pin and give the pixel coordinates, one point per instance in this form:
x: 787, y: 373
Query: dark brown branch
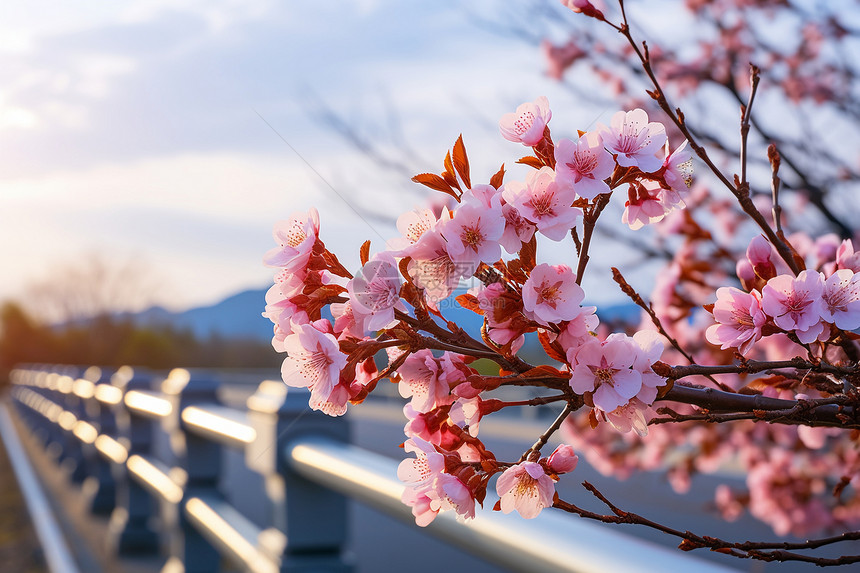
x: 569, y: 408
x: 746, y: 110
x: 740, y: 191
x: 589, y: 221
x: 689, y: 540
x: 832, y: 412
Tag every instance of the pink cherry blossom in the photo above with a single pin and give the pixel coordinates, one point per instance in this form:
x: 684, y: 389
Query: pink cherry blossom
x: 543, y: 202
x: 563, y: 459
x: 345, y: 322
x: 422, y: 470
x: 295, y: 237
x: 517, y: 229
x: 279, y: 309
x: 760, y: 253
x: 604, y: 368
x: 578, y: 330
x: 525, y: 488
x: 585, y: 7
x: 648, y: 345
x: 412, y: 225
x: 678, y: 167
x: 420, y: 503
x: 422, y: 378
x: 448, y: 492
x: 846, y: 257
x: 431, y: 267
x: 794, y: 303
x: 635, y: 140
x: 466, y: 412
x: 584, y: 164
x: 473, y: 233
x: 374, y: 291
x: 526, y: 125
x: 739, y: 319
x: 647, y: 203
x: 551, y: 294
x: 485, y: 195
x: 314, y: 359
x: 841, y: 299
x: 629, y: 416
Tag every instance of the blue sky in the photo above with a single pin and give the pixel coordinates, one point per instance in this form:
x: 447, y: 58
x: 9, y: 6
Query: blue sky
x: 134, y: 129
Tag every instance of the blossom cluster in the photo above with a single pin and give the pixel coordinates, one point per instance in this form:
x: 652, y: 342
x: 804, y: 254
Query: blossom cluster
x: 334, y: 325
x: 805, y: 306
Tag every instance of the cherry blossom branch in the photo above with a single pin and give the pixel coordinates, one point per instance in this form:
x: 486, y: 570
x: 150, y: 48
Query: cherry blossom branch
x: 462, y: 343
x: 793, y: 415
x: 589, y: 221
x: 738, y: 189
x: 814, y: 192
x: 746, y: 111
x: 690, y: 541
x: 539, y: 401
x: 830, y: 412
x: 569, y: 408
x: 775, y: 159
x: 751, y: 367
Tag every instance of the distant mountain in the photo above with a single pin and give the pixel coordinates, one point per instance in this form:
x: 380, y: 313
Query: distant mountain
x: 239, y: 316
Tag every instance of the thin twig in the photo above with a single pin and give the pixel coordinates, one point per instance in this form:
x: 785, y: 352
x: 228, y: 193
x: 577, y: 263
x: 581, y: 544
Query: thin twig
x: 746, y: 111
x: 744, y: 550
x: 741, y: 192
x: 544, y: 438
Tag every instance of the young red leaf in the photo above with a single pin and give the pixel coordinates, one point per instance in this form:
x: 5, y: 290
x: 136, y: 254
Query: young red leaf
x: 470, y: 302
x: 528, y: 254
x: 365, y: 252
x: 461, y: 161
x: 433, y: 181
x: 497, y: 179
x: 449, y: 175
x: 551, y: 350
x: 530, y: 161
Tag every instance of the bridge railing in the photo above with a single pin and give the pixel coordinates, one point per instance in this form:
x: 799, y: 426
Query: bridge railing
x: 149, y: 449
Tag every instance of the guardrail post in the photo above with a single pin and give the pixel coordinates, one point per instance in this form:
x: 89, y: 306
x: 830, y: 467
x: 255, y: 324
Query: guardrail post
x: 78, y: 457
x: 99, y: 486
x: 130, y: 531
x: 313, y: 518
x: 200, y: 462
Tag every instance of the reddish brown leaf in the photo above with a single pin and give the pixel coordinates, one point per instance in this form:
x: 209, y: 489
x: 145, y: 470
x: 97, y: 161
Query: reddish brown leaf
x: 592, y: 419
x: 451, y: 180
x: 543, y: 370
x: 461, y: 161
x: 433, y: 181
x: 497, y: 179
x: 531, y: 161
x: 449, y: 173
x: 528, y: 254
x: 551, y: 350
x: 365, y: 252
x: 469, y: 301
x: 709, y: 307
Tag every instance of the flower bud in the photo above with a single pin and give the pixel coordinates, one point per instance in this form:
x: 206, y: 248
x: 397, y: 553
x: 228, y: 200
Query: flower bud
x: 759, y: 253
x: 563, y: 459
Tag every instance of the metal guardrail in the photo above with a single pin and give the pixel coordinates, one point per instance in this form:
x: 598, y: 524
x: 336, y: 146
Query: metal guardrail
x: 98, y: 420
